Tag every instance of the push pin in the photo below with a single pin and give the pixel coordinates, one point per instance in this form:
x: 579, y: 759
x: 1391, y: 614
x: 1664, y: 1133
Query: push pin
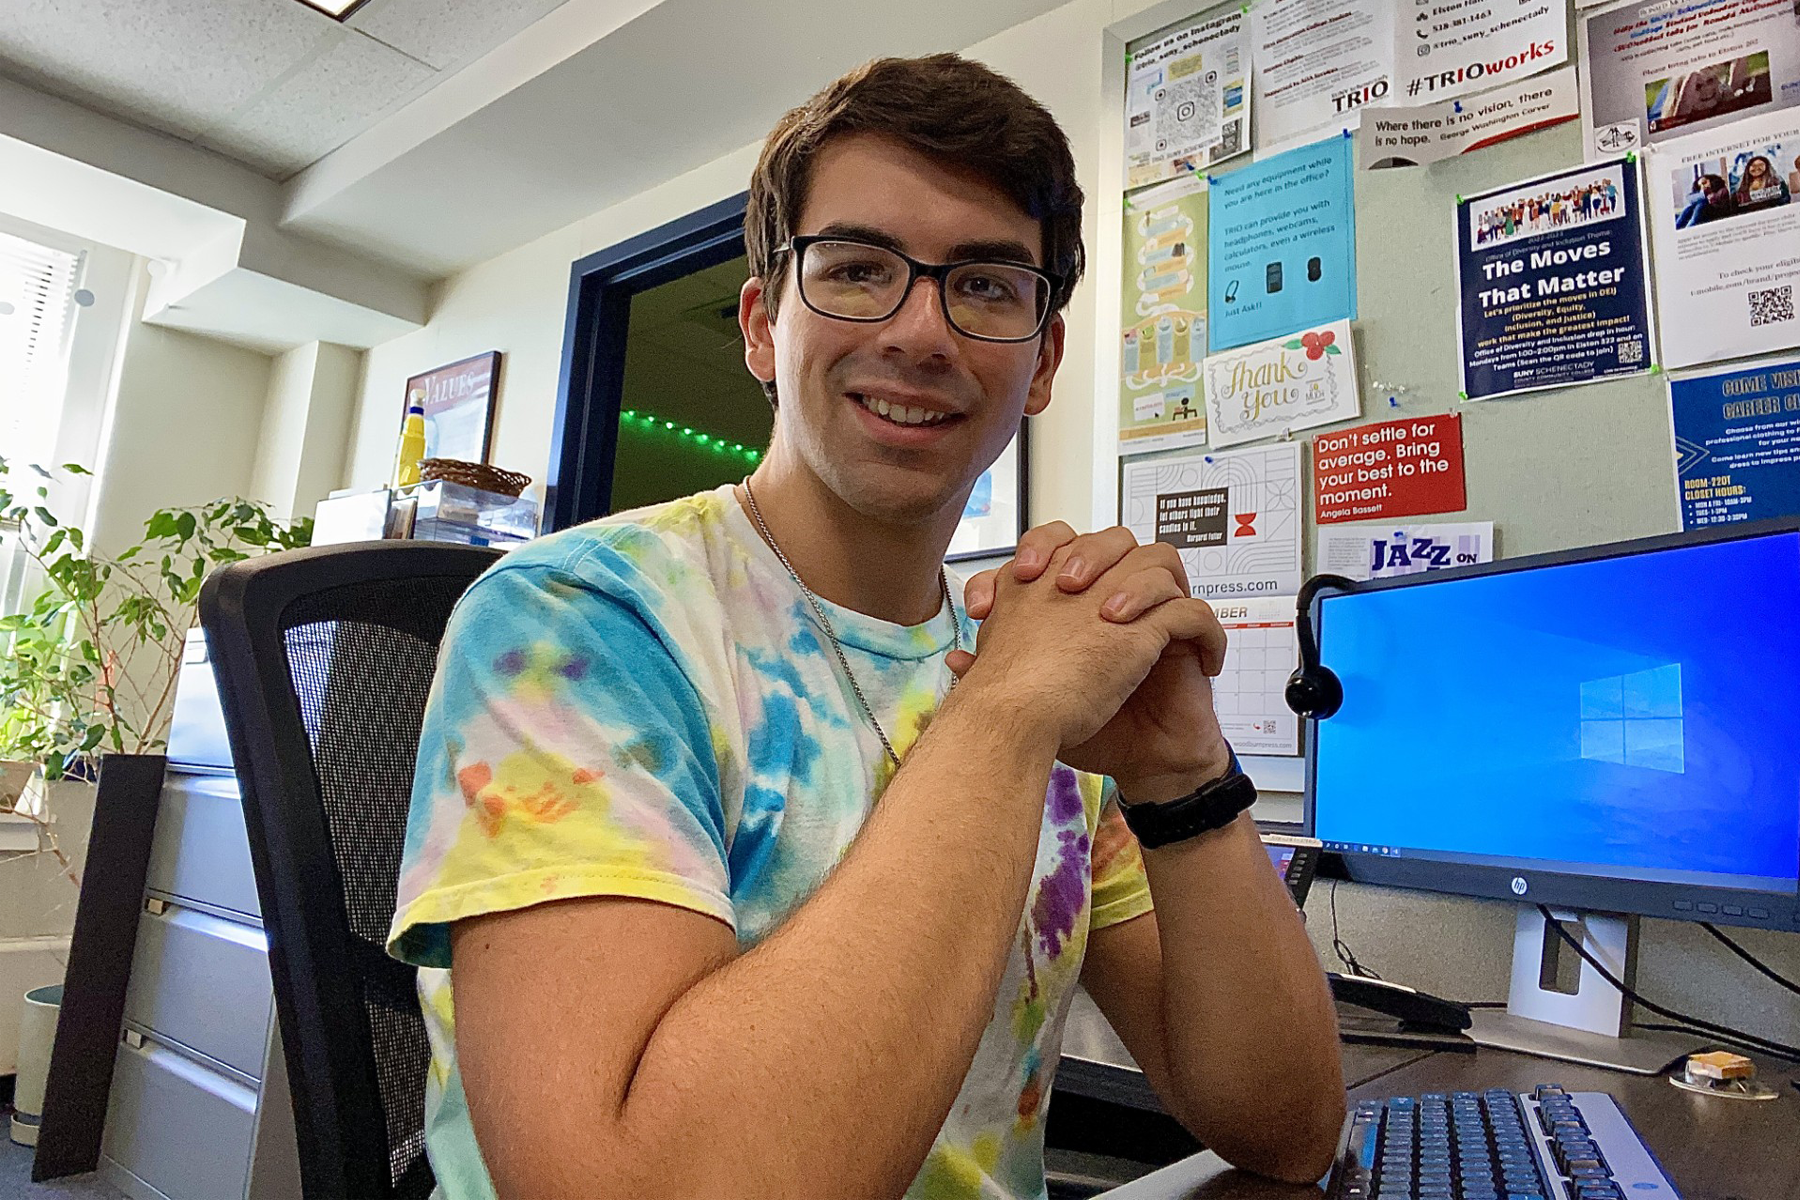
x: 1722, y: 1073
x: 1393, y: 402
x: 1287, y: 435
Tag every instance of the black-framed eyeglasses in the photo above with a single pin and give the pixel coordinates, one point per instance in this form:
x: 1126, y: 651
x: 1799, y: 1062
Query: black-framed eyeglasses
x: 990, y: 300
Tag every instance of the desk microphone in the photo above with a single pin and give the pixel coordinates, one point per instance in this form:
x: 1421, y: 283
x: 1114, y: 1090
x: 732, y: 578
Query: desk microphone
x: 1313, y: 690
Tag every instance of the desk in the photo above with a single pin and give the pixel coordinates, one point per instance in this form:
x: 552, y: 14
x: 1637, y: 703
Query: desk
x: 1712, y: 1149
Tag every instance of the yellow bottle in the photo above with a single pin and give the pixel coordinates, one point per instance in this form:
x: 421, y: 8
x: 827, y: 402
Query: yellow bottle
x: 412, y: 447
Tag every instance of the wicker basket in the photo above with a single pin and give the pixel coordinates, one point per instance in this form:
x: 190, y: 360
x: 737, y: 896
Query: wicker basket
x: 475, y: 475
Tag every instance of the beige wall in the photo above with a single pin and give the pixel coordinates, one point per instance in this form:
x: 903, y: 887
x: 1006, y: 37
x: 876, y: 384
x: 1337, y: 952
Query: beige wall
x: 183, y: 428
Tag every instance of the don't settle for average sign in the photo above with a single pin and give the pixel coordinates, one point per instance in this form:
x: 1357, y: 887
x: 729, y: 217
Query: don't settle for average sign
x: 1393, y: 469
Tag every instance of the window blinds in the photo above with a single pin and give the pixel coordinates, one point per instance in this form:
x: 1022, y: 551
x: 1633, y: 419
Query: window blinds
x: 37, y: 297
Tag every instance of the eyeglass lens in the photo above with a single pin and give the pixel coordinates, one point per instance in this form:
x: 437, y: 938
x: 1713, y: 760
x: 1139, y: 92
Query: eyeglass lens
x: 867, y: 283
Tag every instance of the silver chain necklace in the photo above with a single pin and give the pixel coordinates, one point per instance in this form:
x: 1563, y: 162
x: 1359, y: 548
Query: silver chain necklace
x: 837, y: 646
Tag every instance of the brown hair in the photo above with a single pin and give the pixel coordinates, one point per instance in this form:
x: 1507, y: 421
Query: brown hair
x: 942, y: 105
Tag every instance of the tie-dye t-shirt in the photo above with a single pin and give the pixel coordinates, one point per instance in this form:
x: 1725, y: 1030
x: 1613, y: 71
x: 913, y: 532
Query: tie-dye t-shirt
x: 646, y: 706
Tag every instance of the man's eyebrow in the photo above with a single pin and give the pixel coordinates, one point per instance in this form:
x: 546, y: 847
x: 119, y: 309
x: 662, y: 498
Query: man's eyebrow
x: 1004, y: 249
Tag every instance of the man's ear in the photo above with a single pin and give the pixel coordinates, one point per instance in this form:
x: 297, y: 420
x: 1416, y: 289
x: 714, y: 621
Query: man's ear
x: 1050, y: 353
x: 757, y: 326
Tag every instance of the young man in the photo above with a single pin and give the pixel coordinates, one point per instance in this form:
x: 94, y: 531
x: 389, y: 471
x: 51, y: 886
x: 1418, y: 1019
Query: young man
x: 739, y: 898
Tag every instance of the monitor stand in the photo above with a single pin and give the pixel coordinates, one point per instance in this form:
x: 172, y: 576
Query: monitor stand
x: 1590, y: 1025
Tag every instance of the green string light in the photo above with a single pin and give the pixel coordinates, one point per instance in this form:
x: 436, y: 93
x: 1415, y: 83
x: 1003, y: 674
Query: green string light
x: 630, y: 418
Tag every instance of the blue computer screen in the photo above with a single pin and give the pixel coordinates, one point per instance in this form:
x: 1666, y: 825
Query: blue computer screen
x: 1632, y: 717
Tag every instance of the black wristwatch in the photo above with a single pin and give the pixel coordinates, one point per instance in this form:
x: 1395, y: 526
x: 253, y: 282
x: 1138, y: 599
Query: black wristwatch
x: 1211, y: 806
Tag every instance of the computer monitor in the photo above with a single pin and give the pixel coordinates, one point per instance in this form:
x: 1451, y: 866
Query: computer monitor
x: 1614, y: 730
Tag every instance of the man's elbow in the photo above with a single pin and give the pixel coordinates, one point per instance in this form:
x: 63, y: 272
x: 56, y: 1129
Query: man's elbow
x: 1294, y: 1146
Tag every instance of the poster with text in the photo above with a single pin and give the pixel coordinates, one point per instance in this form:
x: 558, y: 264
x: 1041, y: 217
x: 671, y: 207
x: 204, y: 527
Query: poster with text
x: 1552, y: 282
x: 1281, y: 246
x: 1727, y: 233
x: 1250, y: 693
x: 1391, y: 469
x: 1317, y: 63
x: 1737, y: 443
x: 1234, y: 516
x: 1384, y: 551
x: 1285, y: 384
x: 1163, y: 318
x: 1416, y: 137
x: 1187, y: 97
x: 1652, y: 70
x: 1449, y: 48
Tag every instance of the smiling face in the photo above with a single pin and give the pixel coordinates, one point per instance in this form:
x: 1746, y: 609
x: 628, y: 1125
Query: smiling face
x: 963, y: 398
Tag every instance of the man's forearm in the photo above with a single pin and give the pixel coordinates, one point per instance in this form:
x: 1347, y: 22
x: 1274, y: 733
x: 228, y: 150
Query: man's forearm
x: 1250, y: 1031
x: 824, y: 1061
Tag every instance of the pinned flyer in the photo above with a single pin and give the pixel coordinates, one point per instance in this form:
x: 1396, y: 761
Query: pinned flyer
x: 1385, y: 551
x: 1391, y: 469
x: 1415, y: 137
x: 1285, y: 384
x: 1234, y: 516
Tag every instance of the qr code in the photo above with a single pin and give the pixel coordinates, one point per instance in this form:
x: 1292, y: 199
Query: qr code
x: 1776, y: 304
x: 1631, y: 350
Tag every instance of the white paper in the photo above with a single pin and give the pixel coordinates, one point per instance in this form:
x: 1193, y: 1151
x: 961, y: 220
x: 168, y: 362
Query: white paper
x: 1233, y: 515
x: 1187, y: 98
x: 1300, y: 381
x: 1317, y: 62
x: 1652, y: 70
x: 1382, y: 552
x: 1249, y: 695
x: 1726, y: 280
x: 1415, y: 137
x: 1450, y: 48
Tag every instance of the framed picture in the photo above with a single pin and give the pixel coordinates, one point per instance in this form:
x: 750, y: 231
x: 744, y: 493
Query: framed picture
x: 995, y: 517
x: 459, y: 407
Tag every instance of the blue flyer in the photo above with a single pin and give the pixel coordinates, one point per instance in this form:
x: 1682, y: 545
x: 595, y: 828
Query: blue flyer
x: 1552, y: 280
x: 1281, y: 246
x: 1737, y: 443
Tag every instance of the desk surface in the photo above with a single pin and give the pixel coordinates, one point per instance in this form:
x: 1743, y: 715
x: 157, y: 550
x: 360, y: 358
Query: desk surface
x: 1712, y: 1149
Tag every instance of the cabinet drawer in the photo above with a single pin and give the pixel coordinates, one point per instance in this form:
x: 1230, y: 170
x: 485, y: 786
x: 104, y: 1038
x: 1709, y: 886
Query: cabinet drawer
x: 200, y: 851
x: 184, y: 1130
x: 203, y: 982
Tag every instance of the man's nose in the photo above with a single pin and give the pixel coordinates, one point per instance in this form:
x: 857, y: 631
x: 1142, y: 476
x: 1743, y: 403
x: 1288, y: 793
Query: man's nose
x: 919, y: 325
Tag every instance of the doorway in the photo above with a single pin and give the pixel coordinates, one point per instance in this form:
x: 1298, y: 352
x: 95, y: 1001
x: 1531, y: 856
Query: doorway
x: 654, y: 401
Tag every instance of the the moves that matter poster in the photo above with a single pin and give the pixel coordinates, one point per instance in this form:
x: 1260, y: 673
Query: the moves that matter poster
x: 1652, y: 70
x: 1163, y: 318
x: 1552, y: 282
x: 1726, y: 225
x: 1737, y: 443
x: 1187, y: 98
x: 1281, y: 247
x: 1234, y: 516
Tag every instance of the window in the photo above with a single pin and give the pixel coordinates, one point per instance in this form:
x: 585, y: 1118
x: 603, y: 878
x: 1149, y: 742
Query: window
x: 37, y: 306
x: 37, y: 302
x: 1635, y: 720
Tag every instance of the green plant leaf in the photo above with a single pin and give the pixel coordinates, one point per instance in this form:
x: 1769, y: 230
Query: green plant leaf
x: 76, y: 469
x: 45, y: 515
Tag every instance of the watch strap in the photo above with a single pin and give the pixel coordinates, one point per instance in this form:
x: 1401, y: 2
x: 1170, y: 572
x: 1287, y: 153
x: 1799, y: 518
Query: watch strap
x: 1213, y: 805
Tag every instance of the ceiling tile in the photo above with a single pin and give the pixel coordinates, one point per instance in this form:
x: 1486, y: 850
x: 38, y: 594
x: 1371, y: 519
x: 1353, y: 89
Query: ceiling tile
x: 176, y: 65
x: 322, y: 106
x: 444, y: 33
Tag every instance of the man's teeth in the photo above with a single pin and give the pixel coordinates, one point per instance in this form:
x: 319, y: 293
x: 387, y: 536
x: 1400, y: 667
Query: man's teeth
x: 900, y: 414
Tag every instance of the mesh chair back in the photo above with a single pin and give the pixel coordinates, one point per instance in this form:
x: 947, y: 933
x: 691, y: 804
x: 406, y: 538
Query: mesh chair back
x: 324, y: 658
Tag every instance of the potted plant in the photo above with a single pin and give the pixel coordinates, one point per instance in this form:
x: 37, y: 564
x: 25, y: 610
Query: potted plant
x: 88, y: 666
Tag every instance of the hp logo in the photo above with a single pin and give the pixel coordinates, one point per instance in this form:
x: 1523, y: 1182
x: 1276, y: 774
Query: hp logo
x: 1518, y: 885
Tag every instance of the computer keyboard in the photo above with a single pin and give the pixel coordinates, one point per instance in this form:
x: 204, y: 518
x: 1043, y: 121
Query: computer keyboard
x: 1546, y: 1144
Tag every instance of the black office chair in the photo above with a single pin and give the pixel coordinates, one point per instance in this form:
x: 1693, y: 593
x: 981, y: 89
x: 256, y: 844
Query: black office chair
x: 323, y: 659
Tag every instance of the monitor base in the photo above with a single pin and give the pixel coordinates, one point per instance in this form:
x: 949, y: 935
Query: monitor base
x: 1635, y: 1053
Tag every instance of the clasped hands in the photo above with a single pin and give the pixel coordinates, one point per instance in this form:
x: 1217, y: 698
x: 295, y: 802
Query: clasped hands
x: 1099, y: 637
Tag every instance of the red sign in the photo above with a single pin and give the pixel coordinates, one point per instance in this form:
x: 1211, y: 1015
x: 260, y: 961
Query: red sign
x: 1394, y: 469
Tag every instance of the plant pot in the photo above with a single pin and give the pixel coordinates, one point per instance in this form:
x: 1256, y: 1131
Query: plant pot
x: 37, y: 1034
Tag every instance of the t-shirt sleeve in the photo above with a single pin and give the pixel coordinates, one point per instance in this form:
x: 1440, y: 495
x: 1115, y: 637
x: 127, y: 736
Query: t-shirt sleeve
x: 564, y: 752
x: 1121, y: 890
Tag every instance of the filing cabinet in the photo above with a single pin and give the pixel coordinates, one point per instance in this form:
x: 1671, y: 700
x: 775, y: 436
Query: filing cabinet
x: 199, y: 1107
